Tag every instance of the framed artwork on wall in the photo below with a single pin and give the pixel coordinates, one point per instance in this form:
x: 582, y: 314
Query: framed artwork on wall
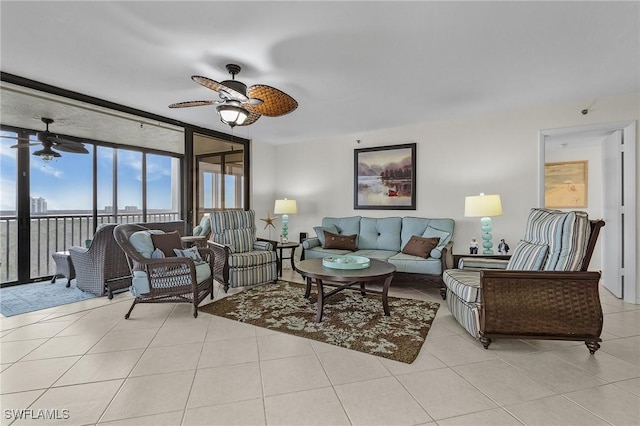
x: 385, y: 177
x: 566, y: 184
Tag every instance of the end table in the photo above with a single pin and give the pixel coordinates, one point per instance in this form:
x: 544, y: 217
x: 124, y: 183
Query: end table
x: 279, y: 249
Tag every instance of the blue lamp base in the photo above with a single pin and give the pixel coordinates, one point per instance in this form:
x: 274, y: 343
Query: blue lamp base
x: 285, y: 228
x: 487, y: 238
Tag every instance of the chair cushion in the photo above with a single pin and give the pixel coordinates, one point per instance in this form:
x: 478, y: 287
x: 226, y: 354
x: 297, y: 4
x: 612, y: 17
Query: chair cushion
x: 252, y: 258
x: 167, y: 242
x: 566, y: 234
x: 140, y: 282
x: 141, y: 241
x: 320, y: 232
x: 191, y: 252
x: 241, y: 240
x: 463, y: 283
x: 419, y: 246
x: 232, y: 219
x: 528, y: 257
x: 337, y: 241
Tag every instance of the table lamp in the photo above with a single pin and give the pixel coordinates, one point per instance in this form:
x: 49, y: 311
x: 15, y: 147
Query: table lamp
x: 285, y: 207
x: 484, y: 206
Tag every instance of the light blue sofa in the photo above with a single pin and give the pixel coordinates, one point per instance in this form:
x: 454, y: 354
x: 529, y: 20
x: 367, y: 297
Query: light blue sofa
x: 384, y: 239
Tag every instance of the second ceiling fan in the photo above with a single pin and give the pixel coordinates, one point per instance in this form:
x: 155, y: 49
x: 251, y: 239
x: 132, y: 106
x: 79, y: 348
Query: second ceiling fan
x: 240, y: 105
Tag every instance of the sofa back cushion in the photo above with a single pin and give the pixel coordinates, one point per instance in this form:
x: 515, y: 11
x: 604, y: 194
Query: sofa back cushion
x: 345, y: 225
x: 418, y: 225
x: 380, y: 233
x: 565, y: 233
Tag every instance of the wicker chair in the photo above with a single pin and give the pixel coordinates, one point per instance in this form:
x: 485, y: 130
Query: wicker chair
x: 102, y: 267
x: 165, y: 280
x: 241, y: 259
x: 560, y: 303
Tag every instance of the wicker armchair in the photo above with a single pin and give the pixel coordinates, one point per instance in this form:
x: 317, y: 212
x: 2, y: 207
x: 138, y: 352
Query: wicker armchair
x: 241, y: 259
x: 102, y: 267
x: 165, y: 280
x: 559, y: 303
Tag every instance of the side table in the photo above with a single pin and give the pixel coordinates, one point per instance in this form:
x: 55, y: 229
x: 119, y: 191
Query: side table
x: 279, y: 249
x: 199, y: 241
x: 64, y: 267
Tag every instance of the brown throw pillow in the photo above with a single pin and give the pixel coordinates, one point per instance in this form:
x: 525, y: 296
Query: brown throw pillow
x: 420, y: 246
x: 337, y: 241
x: 167, y: 242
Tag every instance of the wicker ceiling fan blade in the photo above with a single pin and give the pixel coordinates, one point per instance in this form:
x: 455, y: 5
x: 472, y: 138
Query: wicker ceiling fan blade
x: 192, y: 104
x: 219, y: 87
x: 68, y: 146
x: 275, y: 102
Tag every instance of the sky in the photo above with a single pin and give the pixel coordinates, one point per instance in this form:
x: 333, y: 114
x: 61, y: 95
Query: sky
x: 66, y: 182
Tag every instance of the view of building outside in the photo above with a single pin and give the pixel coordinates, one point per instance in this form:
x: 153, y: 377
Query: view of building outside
x: 61, y: 199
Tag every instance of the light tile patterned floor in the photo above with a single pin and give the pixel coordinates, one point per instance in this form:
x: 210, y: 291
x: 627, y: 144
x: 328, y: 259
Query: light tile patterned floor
x: 163, y: 367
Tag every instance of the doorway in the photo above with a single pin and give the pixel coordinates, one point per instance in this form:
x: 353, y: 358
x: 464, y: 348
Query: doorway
x: 610, y: 152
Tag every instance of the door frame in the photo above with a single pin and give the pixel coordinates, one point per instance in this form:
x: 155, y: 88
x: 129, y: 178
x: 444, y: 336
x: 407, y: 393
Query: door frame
x: 629, y: 135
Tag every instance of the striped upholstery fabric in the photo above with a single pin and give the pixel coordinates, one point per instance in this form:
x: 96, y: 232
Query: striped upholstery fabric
x: 528, y: 257
x: 464, y: 283
x: 240, y: 240
x: 566, y: 234
x: 250, y: 262
x: 467, y: 314
x: 242, y: 277
x: 482, y: 263
x: 252, y: 258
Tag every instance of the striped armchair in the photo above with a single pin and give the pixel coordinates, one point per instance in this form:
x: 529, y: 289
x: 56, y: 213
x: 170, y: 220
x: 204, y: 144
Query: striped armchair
x: 241, y: 259
x: 542, y: 292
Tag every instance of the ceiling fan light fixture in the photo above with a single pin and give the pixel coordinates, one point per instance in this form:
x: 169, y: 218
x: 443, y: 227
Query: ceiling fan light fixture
x: 232, y: 113
x: 47, y: 154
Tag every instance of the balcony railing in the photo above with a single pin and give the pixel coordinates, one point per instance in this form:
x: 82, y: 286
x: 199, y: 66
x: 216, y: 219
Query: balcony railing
x: 52, y: 233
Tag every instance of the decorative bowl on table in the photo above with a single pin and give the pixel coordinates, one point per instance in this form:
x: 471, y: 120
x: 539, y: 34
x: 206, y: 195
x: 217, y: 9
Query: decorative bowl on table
x: 346, y: 262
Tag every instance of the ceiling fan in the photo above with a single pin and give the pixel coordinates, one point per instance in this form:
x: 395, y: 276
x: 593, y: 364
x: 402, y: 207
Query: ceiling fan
x: 240, y: 105
x: 50, y: 141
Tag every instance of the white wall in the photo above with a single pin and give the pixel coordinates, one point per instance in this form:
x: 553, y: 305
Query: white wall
x: 495, y: 153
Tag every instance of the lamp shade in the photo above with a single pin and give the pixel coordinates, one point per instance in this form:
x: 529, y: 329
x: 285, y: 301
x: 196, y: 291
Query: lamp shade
x: 482, y: 206
x: 232, y: 113
x: 285, y: 207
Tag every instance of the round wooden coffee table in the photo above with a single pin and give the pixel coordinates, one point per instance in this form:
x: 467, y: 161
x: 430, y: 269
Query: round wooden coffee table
x: 355, y: 279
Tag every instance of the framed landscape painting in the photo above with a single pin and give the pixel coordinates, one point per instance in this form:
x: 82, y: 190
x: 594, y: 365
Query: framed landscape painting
x: 566, y: 184
x: 385, y: 177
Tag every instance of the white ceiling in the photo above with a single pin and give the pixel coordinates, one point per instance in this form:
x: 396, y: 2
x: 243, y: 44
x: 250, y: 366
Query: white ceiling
x: 353, y: 67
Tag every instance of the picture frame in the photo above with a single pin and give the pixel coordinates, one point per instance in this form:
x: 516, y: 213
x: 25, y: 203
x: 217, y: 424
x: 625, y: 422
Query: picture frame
x: 566, y: 184
x: 385, y: 177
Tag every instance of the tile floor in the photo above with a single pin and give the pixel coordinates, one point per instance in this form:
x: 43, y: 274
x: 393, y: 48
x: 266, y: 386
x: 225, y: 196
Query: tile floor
x: 86, y: 364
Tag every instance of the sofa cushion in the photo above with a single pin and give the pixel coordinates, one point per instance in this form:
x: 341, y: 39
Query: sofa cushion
x: 415, y: 264
x: 346, y: 225
x: 566, y: 234
x: 167, y: 242
x: 320, y: 232
x: 376, y: 254
x: 445, y: 237
x: 380, y: 233
x: 318, y: 252
x: 338, y: 241
x: 528, y: 257
x: 419, y: 246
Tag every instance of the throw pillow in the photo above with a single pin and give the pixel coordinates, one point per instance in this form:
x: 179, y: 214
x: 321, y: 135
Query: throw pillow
x: 419, y: 246
x: 157, y: 254
x: 167, y: 242
x: 528, y: 257
x: 337, y: 241
x: 320, y: 232
x: 191, y: 253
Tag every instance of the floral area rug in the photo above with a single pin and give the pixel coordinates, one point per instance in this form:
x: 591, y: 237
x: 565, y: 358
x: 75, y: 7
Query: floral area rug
x: 349, y: 319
